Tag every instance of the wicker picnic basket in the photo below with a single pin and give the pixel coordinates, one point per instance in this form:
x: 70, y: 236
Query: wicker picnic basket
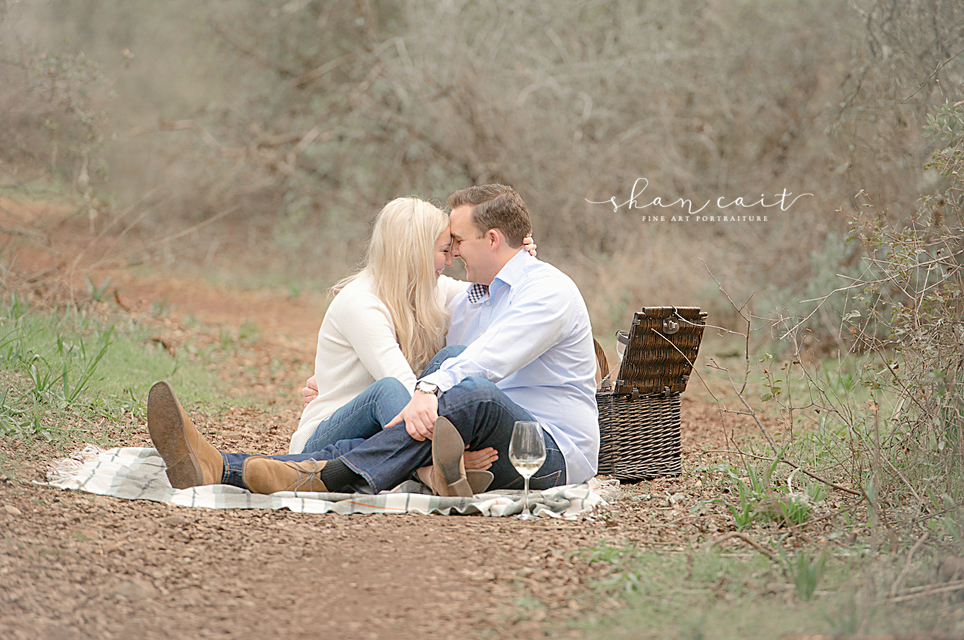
x: 639, y: 421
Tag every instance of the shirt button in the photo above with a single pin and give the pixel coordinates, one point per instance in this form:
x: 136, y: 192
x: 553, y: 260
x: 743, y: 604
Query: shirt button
x: 486, y: 303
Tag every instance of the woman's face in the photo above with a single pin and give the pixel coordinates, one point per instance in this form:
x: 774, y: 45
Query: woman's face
x: 443, y: 252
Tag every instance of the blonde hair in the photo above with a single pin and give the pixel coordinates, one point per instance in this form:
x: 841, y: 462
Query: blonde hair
x: 401, y: 266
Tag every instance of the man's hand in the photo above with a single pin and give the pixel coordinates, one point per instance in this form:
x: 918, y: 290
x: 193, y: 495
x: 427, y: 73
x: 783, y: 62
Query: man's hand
x: 481, y: 459
x: 419, y: 416
x: 310, y: 392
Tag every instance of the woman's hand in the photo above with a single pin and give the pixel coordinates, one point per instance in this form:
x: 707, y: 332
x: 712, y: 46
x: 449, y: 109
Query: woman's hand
x: 529, y: 245
x: 481, y: 459
x: 310, y: 392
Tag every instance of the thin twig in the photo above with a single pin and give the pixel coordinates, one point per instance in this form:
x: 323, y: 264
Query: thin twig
x: 753, y: 543
x: 688, y: 361
x: 903, y: 573
x: 823, y: 480
x: 179, y: 125
x: 747, y: 539
x: 926, y: 590
x: 794, y: 466
x: 116, y: 220
x: 900, y: 383
x: 934, y: 73
x: 13, y: 231
x: 938, y: 514
x: 739, y: 310
x: 901, y: 476
x: 199, y: 225
x: 317, y: 72
x: 750, y: 412
x: 828, y: 516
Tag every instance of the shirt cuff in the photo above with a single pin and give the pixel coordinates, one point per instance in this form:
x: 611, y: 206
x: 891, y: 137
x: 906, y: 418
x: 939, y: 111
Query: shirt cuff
x: 445, y: 380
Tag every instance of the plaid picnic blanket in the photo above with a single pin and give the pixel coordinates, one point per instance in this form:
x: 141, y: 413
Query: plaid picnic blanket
x: 138, y: 474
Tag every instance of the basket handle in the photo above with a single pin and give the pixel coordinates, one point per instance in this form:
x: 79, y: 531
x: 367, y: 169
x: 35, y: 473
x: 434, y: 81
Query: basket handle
x: 602, y: 363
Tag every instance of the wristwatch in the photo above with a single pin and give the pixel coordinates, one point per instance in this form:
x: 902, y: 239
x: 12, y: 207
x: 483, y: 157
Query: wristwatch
x: 427, y: 387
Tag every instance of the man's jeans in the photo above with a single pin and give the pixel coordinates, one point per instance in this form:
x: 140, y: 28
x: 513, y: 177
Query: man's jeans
x: 483, y: 415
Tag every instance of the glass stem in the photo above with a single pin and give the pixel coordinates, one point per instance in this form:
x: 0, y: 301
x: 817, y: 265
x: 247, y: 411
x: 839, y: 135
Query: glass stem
x: 526, y: 511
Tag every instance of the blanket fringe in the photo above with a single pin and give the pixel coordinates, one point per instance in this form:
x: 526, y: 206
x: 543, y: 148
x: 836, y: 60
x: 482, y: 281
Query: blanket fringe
x: 608, y: 488
x: 64, y: 471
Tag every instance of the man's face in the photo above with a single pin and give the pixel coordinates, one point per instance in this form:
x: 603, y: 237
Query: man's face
x: 467, y: 244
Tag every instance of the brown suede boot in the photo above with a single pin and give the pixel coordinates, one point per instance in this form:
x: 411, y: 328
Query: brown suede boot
x: 479, y: 479
x: 190, y: 459
x: 267, y: 475
x: 447, y: 473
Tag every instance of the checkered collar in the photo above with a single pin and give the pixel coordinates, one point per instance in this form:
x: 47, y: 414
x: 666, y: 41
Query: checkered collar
x: 510, y: 273
x: 478, y: 292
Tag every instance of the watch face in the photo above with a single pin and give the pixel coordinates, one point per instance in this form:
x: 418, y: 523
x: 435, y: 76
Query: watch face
x: 427, y: 387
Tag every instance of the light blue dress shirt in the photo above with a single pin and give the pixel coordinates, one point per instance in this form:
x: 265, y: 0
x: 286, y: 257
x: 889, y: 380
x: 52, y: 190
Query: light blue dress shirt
x: 531, y: 336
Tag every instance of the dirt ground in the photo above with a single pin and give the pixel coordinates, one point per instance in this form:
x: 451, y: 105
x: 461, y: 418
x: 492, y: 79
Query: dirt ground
x: 74, y: 565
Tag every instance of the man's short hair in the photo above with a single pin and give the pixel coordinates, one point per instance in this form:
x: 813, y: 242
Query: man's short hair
x: 496, y: 206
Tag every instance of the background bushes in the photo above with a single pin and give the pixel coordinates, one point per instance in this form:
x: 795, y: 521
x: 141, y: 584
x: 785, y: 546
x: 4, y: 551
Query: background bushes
x: 292, y: 122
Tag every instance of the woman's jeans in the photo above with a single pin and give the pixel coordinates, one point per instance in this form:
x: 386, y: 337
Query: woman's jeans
x: 370, y: 410
x: 482, y: 413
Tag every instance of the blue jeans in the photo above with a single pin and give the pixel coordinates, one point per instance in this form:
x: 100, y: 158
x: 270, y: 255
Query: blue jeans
x: 369, y: 411
x: 483, y: 415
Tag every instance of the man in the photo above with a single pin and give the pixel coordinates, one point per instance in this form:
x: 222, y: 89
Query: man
x: 529, y: 356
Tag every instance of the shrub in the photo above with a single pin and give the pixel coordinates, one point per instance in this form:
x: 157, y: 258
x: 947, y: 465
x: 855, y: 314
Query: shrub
x: 53, y: 106
x: 916, y: 295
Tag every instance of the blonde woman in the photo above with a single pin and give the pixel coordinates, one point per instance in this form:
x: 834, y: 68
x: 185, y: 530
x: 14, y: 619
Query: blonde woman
x: 386, y: 322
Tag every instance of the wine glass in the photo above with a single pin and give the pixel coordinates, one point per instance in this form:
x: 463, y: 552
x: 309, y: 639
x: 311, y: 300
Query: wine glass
x: 527, y: 452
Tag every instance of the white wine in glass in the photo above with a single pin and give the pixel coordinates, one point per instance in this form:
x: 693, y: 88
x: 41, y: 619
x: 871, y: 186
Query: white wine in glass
x: 527, y: 452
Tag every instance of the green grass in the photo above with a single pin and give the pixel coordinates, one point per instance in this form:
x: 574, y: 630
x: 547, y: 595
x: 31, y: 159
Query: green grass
x: 64, y: 369
x: 709, y: 594
x: 831, y: 415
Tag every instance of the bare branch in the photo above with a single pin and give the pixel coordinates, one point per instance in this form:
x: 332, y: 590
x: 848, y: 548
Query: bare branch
x: 179, y: 125
x: 317, y: 72
x: 903, y: 574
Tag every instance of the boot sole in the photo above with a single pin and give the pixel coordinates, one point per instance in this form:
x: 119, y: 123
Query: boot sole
x: 166, y: 426
x: 479, y: 480
x: 447, y: 449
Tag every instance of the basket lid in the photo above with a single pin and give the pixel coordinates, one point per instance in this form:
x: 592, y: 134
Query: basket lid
x: 661, y: 348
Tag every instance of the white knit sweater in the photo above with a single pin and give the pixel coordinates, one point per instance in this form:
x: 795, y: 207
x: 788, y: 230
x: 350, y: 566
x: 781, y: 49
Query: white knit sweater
x: 356, y: 347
